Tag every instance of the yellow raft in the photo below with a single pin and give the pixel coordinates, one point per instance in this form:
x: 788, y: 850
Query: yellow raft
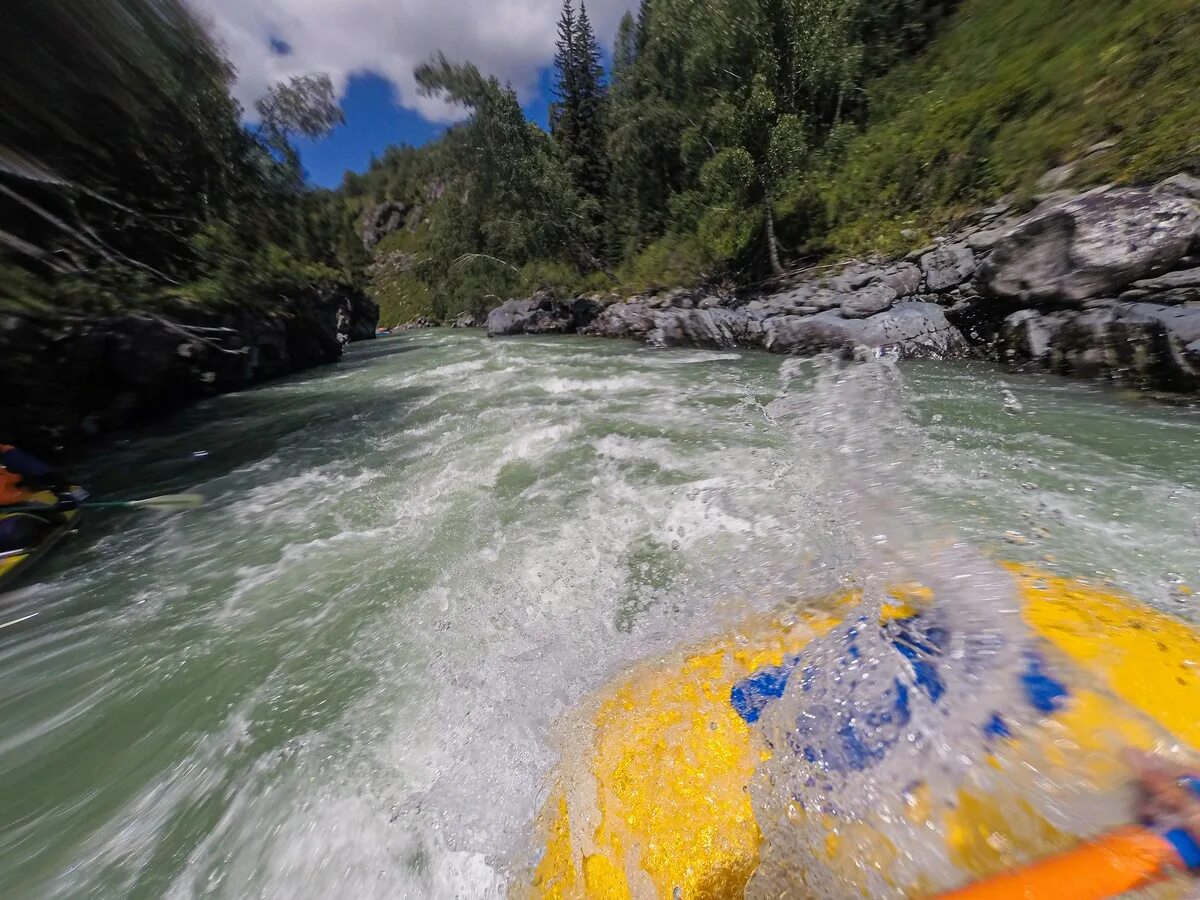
x: 651, y: 799
x: 15, y: 563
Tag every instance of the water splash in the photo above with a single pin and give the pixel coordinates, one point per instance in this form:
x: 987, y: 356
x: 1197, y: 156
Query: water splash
x: 880, y: 731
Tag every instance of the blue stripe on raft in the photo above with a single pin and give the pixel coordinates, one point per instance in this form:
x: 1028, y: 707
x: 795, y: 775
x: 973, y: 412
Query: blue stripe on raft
x: 750, y: 696
x: 1043, y: 691
x: 919, y: 642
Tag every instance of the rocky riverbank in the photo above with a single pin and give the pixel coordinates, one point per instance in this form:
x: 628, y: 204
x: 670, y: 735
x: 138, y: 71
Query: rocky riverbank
x: 1100, y: 284
x: 67, y: 378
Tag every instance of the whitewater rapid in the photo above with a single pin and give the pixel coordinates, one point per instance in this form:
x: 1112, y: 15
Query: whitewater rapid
x: 347, y: 673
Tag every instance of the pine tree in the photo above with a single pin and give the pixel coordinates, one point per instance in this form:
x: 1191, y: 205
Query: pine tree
x: 589, y: 150
x: 566, y: 87
x: 625, y: 47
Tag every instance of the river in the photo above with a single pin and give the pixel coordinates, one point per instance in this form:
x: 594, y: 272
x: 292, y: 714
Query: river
x: 343, y: 675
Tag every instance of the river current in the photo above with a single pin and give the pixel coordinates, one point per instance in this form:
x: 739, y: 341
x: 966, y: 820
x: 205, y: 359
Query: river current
x: 344, y: 674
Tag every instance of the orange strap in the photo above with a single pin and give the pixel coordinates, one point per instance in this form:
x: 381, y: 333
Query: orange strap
x: 1119, y: 861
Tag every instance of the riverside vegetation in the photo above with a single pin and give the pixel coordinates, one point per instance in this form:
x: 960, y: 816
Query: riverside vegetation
x: 947, y: 146
x: 153, y: 248
x: 729, y: 140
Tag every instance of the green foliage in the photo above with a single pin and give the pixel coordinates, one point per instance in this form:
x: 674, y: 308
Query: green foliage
x: 1012, y: 89
x: 739, y: 132
x: 559, y: 277
x: 126, y: 175
x: 304, y: 105
x: 577, y: 116
x: 402, y: 297
x: 672, y: 261
x: 624, y: 47
x: 509, y: 200
x: 234, y: 277
x: 730, y: 176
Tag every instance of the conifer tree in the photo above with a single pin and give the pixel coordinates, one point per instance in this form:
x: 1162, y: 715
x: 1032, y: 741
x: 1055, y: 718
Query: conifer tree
x: 566, y: 87
x: 589, y: 150
x: 625, y: 47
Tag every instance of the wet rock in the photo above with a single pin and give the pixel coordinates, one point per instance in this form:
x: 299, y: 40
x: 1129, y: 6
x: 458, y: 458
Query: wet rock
x: 1183, y: 278
x: 867, y: 301
x: 912, y: 330
x: 465, y: 320
x: 585, y: 309
x: 540, y: 314
x: 1147, y: 345
x: 417, y: 323
x: 631, y: 320
x: 68, y: 378
x: 947, y: 267
x: 1030, y: 335
x: 716, y: 328
x: 1181, y: 185
x: 361, y: 316
x: 1090, y: 246
x: 1171, y: 362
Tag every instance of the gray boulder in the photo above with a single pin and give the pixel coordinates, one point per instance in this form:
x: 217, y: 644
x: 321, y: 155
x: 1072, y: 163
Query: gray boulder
x: 716, y: 328
x: 361, y: 315
x: 913, y: 330
x: 1181, y: 185
x: 631, y: 320
x: 807, y: 296
x: 867, y: 301
x: 1184, y: 278
x: 539, y: 314
x: 1145, y: 344
x: 904, y: 279
x: 378, y: 221
x: 1175, y: 330
x: 1091, y: 245
x: 1030, y: 335
x: 947, y: 267
x: 853, y: 277
x: 585, y: 309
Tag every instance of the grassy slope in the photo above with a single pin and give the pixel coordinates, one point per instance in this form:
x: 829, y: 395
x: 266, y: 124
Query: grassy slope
x: 1009, y: 90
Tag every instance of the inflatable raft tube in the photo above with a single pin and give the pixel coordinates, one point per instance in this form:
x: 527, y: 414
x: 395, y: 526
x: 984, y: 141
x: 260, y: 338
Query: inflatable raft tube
x: 651, y: 799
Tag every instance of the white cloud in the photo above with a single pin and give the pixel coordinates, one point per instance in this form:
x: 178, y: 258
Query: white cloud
x: 511, y: 39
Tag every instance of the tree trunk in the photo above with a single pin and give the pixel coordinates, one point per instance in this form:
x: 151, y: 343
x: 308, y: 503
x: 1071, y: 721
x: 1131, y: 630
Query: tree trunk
x: 772, y: 244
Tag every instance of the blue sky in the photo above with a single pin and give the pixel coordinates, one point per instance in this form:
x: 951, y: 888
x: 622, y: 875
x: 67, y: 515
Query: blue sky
x: 369, y: 48
x: 374, y: 120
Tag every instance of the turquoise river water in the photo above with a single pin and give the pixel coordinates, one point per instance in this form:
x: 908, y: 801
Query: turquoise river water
x: 342, y: 675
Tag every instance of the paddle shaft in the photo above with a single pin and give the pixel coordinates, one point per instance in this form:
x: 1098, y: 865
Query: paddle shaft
x: 1108, y: 866
x: 168, y: 502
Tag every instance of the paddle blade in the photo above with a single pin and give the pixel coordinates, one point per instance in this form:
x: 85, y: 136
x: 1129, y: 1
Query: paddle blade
x: 169, y: 502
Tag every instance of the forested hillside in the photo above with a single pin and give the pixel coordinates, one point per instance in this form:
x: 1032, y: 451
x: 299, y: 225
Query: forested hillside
x: 721, y: 140
x: 127, y: 176
x: 732, y: 139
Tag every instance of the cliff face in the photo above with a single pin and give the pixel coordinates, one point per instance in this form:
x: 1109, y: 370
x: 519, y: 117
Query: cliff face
x: 66, y: 379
